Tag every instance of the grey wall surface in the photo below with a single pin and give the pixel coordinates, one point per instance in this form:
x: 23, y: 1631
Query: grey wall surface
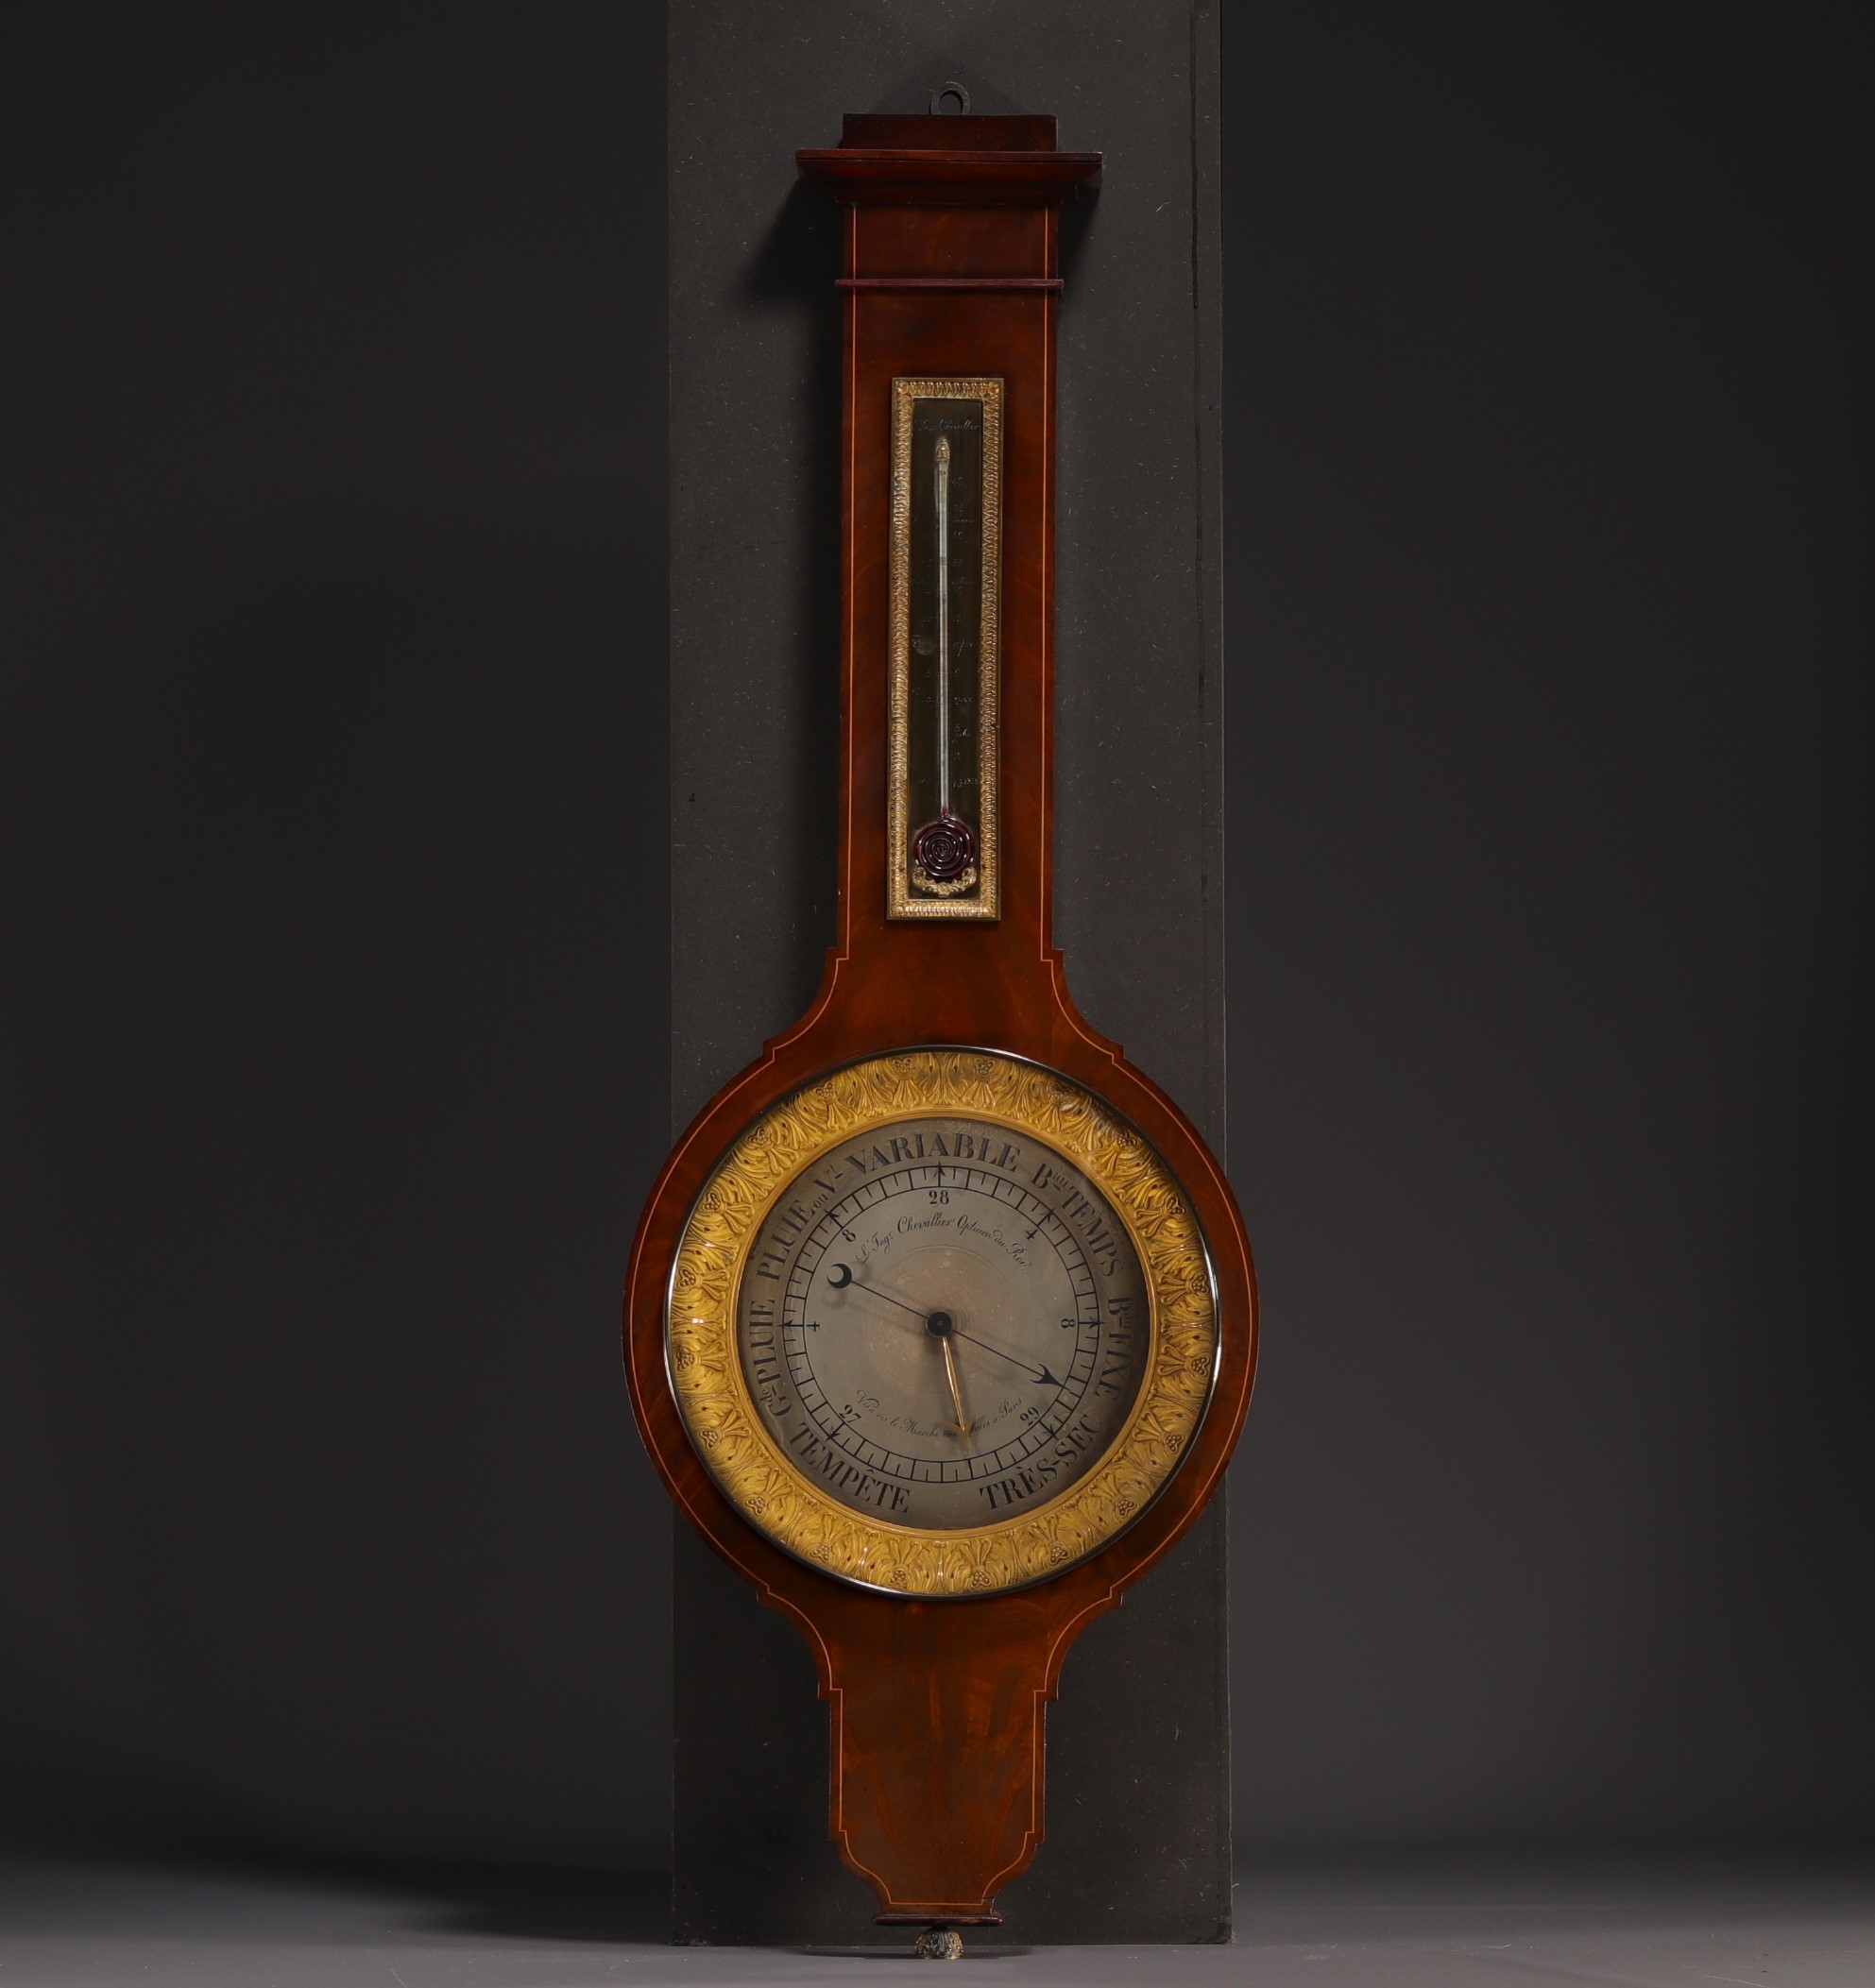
x: 333, y: 912
x: 1138, y: 1793
x: 1550, y: 964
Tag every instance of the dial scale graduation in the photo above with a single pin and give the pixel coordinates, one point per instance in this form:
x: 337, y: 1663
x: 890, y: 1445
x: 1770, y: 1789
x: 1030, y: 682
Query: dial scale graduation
x: 945, y: 1325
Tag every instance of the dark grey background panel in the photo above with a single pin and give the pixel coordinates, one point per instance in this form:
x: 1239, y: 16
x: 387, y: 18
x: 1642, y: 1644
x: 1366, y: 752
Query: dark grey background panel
x: 334, y: 1005
x: 1138, y: 1841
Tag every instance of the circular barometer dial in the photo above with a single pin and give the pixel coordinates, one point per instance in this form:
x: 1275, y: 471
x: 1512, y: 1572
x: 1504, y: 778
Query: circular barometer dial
x: 941, y: 1322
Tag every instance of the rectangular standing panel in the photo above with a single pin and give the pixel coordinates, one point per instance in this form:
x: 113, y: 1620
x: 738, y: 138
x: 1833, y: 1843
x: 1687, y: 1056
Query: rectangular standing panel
x: 1138, y: 1821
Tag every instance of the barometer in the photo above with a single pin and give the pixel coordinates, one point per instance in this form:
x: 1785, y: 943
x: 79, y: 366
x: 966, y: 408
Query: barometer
x: 940, y: 1322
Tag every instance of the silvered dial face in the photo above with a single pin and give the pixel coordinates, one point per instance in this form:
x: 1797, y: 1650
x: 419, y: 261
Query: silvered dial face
x: 945, y: 1324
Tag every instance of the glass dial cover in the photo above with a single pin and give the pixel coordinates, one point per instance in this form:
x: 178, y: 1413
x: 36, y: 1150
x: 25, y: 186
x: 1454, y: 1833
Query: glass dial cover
x: 941, y: 1322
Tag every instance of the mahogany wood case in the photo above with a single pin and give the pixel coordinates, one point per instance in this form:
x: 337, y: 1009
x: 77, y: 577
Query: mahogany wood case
x: 937, y: 1707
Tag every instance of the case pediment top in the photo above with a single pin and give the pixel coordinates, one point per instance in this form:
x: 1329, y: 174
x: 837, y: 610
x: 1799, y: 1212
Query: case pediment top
x: 1005, y: 160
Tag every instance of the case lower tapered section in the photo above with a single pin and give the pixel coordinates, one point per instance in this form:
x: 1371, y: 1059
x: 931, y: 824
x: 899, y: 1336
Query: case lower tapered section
x: 939, y: 1738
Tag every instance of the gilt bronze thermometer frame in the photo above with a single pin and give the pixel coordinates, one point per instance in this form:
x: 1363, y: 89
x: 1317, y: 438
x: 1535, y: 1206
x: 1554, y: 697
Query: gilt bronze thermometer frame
x: 942, y: 863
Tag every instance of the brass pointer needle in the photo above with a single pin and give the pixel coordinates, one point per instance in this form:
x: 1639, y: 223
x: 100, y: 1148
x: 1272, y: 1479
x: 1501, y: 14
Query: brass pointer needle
x: 937, y: 1323
x: 962, y: 1424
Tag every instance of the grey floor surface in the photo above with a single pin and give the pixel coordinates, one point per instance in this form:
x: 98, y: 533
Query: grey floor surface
x: 1420, y: 1922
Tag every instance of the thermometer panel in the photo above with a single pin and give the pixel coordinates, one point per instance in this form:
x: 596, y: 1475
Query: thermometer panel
x: 946, y: 560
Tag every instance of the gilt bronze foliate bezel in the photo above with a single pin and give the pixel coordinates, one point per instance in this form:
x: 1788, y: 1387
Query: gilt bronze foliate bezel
x: 770, y: 1489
